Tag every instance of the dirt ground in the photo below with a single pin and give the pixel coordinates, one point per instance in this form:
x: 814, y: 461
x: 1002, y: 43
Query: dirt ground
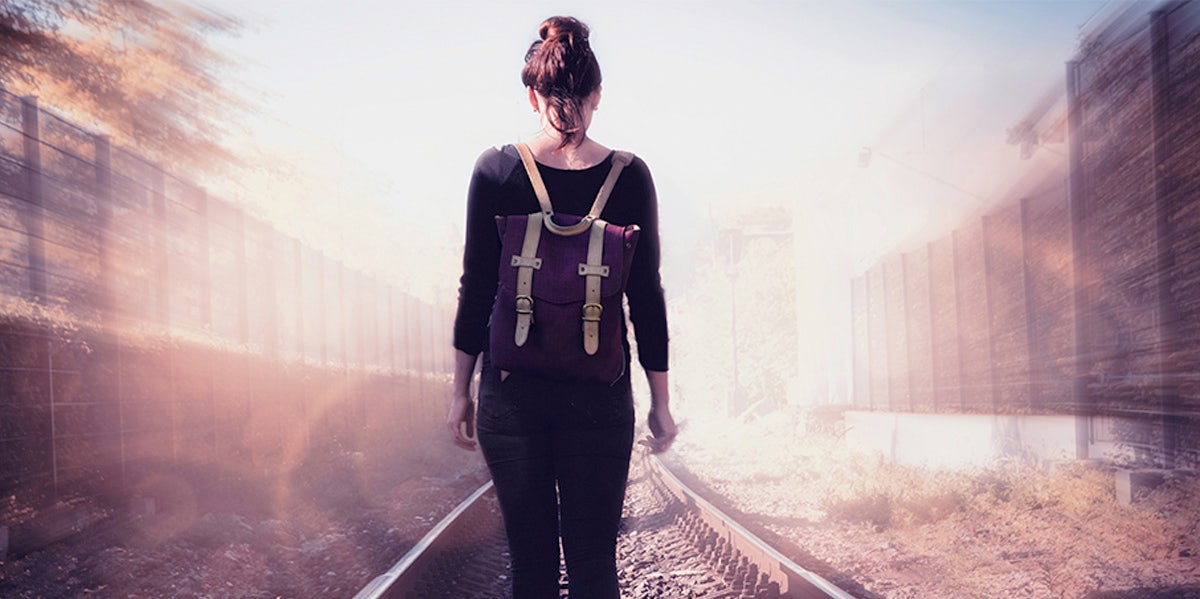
x: 1008, y: 531
x: 327, y: 526
x: 324, y: 528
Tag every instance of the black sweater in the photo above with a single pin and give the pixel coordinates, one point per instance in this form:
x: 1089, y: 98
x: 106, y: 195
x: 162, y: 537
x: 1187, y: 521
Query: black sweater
x: 500, y: 186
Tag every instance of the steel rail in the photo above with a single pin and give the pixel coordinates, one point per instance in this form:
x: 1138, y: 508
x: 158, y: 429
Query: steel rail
x: 401, y: 578
x: 795, y: 582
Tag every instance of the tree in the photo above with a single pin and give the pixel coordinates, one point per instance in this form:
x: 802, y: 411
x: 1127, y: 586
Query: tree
x: 736, y: 324
x: 143, y: 73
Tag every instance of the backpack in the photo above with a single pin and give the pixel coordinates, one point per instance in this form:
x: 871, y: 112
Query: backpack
x: 558, y: 307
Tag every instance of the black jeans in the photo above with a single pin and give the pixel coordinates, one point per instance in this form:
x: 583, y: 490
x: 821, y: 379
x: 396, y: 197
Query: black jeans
x: 559, y: 456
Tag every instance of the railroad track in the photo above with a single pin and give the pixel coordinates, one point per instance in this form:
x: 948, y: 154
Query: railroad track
x: 673, y: 544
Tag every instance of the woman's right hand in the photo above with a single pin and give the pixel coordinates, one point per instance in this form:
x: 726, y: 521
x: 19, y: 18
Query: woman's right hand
x: 662, y: 424
x: 461, y: 422
x: 662, y: 429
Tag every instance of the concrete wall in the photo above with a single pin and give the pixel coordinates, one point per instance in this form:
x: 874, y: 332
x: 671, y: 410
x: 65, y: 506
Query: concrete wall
x: 960, y: 440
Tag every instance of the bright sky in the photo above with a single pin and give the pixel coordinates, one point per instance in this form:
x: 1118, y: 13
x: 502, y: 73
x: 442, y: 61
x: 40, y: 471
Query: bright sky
x: 381, y: 108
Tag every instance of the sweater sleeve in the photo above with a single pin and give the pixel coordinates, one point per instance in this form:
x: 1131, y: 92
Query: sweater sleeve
x: 647, y: 304
x: 477, y: 286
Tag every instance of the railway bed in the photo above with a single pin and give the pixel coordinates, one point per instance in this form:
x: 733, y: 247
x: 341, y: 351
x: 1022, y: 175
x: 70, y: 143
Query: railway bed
x: 673, y: 544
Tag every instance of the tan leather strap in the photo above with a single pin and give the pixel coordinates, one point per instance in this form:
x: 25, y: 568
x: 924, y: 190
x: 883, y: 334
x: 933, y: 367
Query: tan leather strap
x: 594, y: 270
x: 620, y: 160
x: 535, y: 177
x: 526, y: 263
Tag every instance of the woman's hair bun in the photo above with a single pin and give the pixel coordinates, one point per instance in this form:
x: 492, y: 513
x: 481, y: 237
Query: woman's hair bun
x: 563, y: 29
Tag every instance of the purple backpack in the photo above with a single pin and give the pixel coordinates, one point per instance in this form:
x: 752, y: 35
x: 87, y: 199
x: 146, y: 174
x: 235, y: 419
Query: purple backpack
x: 558, y: 307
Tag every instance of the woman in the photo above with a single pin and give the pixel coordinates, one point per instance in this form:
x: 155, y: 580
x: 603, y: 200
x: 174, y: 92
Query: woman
x: 559, y: 451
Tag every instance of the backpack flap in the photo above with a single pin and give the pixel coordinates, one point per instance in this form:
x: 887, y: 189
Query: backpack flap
x: 558, y: 279
x: 559, y: 326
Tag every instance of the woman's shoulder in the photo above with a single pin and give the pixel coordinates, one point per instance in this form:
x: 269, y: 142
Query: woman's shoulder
x: 637, y: 170
x: 497, y: 163
x: 638, y: 164
x: 498, y: 156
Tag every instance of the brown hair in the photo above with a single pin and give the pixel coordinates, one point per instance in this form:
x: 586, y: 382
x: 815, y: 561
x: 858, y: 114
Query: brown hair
x: 561, y: 67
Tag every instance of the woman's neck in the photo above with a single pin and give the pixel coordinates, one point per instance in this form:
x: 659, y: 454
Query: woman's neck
x: 547, y: 148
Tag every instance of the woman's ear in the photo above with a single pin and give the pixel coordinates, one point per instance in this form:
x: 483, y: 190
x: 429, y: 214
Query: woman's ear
x: 533, y: 99
x: 595, y: 98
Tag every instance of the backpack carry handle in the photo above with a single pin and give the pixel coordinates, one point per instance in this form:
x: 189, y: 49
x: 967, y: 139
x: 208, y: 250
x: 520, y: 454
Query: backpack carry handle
x: 620, y: 160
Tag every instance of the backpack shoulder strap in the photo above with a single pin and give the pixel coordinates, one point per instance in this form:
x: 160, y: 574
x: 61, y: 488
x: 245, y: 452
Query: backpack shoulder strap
x: 535, y: 177
x: 620, y: 160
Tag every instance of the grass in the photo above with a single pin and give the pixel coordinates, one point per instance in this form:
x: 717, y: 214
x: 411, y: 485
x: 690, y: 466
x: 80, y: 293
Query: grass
x: 1009, y: 529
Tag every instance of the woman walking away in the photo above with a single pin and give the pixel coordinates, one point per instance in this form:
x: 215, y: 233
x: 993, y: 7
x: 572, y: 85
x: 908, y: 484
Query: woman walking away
x: 555, y: 415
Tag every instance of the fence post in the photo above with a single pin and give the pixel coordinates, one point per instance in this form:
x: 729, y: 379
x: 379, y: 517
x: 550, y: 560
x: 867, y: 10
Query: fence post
x: 161, y: 250
x: 956, y: 273
x: 206, y: 320
x: 269, y: 260
x: 298, y: 294
x: 302, y: 356
x: 854, y: 367
x: 431, y: 339
x: 419, y: 322
x: 373, y: 324
x: 372, y: 332
x: 1036, y: 360
x: 445, y: 338
x: 360, y: 317
x: 405, y: 361
x: 105, y: 290
x: 243, y: 299
x: 878, y: 394
x: 322, y: 307
x: 989, y: 309
x: 343, y: 328
x: 888, y: 322
x: 908, y: 330
x: 933, y: 346
x: 870, y: 337
x: 895, y: 327
x: 106, y: 300
x: 1164, y: 205
x: 205, y: 260
x: 391, y: 328
x: 393, y: 401
x: 33, y: 188
x: 1077, y: 210
x: 350, y: 317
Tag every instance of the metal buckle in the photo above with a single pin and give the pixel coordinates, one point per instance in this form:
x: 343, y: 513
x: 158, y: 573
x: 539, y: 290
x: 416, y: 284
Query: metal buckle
x: 589, y: 317
x: 524, y: 304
